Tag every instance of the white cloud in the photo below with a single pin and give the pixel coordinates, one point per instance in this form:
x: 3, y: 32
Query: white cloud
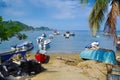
x: 14, y: 13
x: 47, y: 12
x: 14, y: 8
x: 59, y: 9
x: 62, y: 9
x: 65, y: 9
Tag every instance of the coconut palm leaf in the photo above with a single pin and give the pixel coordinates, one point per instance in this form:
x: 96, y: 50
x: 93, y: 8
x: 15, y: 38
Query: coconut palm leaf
x: 110, y: 24
x: 97, y: 15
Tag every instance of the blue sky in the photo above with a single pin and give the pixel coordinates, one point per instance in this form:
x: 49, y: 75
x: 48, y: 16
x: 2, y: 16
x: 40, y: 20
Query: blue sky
x: 56, y: 14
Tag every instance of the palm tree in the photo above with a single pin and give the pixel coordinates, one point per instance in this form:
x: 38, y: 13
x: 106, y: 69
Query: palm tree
x: 98, y: 13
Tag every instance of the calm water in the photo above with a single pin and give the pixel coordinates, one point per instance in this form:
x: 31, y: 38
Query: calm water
x: 59, y: 44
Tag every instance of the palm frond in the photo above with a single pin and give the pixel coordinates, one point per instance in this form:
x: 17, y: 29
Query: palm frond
x: 97, y: 15
x: 111, y: 20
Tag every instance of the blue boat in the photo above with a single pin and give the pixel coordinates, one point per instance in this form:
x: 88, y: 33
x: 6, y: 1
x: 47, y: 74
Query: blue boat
x: 24, y: 46
x: 7, y: 55
x: 102, y: 55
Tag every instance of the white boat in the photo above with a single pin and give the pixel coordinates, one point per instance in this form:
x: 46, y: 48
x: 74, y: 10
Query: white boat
x: 68, y: 34
x: 44, y: 44
x: 26, y: 46
x: 56, y: 32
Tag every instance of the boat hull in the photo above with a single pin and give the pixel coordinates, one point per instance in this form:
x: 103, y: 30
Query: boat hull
x: 7, y: 55
x: 44, y: 45
x: 102, y: 55
x: 23, y: 47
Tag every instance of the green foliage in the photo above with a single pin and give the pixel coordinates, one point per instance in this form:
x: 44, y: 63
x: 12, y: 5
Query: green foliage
x: 21, y: 36
x: 83, y: 1
x: 9, y: 29
x: 20, y: 26
x: 42, y: 28
x: 97, y: 15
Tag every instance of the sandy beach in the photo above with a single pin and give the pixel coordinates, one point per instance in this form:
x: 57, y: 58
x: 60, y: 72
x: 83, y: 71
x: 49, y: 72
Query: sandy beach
x: 71, y: 67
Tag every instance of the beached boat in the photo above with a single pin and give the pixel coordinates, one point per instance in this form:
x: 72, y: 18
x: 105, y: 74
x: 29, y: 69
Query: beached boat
x: 9, y: 54
x: 102, y: 55
x: 26, y: 46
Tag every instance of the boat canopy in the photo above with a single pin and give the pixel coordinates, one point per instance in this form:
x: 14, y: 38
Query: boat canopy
x: 102, y: 55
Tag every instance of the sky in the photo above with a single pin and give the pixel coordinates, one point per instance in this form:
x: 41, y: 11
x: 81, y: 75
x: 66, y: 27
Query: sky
x: 55, y: 14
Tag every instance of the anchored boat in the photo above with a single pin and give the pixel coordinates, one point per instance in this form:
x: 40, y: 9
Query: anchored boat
x: 26, y: 46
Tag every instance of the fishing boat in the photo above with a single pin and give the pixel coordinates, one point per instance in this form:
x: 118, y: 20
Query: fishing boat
x: 9, y: 54
x: 26, y: 46
x: 44, y: 44
x: 68, y: 34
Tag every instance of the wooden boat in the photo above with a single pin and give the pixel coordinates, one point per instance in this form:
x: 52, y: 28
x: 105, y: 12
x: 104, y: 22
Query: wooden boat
x: 26, y: 46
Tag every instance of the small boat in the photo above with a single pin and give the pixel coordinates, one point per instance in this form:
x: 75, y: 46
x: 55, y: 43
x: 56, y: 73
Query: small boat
x: 72, y: 34
x: 9, y: 54
x: 118, y: 43
x: 47, y: 43
x: 44, y: 44
x: 106, y: 34
x: 56, y: 32
x: 102, y: 55
x: 26, y: 46
x: 51, y: 36
x: 68, y: 34
x: 43, y: 35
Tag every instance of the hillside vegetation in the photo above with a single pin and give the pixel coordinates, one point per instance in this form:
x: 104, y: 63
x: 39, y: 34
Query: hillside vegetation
x: 22, y: 26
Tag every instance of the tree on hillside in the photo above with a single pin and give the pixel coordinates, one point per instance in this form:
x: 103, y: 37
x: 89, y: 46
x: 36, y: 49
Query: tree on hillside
x: 10, y: 31
x: 98, y: 13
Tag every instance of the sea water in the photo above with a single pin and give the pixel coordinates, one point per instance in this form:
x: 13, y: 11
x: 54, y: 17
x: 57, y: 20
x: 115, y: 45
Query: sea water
x: 60, y: 44
x: 73, y: 44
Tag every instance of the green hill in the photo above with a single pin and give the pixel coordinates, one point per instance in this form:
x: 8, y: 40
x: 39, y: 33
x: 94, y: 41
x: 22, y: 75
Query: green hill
x: 23, y: 26
x: 42, y: 28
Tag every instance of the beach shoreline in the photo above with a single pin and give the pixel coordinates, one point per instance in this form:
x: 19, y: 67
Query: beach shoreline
x: 71, y: 67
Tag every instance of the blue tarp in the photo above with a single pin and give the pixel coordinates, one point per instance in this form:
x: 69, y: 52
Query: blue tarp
x: 103, y: 55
